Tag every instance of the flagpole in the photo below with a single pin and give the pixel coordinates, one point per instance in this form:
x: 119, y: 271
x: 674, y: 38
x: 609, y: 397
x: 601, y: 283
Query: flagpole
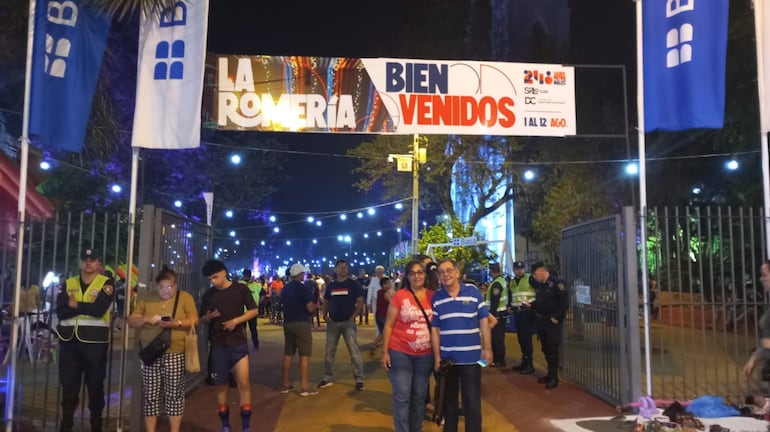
x: 764, y: 126
x: 10, y: 392
x: 642, y: 192
x: 129, y: 266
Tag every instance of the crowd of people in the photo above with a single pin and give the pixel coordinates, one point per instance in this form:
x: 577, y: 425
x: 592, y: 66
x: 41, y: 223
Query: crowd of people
x: 428, y: 320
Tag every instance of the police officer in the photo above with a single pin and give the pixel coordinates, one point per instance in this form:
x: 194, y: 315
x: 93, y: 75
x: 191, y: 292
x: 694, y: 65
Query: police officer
x: 550, y: 305
x: 83, y: 309
x: 522, y: 294
x: 497, y: 298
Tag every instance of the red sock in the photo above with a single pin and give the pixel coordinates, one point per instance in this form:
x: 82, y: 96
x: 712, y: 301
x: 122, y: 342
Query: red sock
x: 245, y: 407
x: 223, y: 408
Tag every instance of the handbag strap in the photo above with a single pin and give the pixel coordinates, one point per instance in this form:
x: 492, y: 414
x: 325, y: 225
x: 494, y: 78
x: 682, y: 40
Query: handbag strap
x: 427, y: 321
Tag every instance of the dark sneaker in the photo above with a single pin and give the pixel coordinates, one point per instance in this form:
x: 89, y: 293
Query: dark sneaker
x: 325, y: 383
x: 286, y: 389
x: 359, y: 386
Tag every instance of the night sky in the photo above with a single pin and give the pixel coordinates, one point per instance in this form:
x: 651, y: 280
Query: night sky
x: 314, y: 183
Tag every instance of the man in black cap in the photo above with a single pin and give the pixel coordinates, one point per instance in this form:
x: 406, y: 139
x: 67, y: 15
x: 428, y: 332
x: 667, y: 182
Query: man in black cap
x: 222, y: 308
x: 83, y: 308
x: 551, y: 303
x: 497, y: 298
x: 522, y: 294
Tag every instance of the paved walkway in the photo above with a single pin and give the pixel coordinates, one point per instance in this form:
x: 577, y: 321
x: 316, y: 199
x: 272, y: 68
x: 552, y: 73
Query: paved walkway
x: 511, y: 402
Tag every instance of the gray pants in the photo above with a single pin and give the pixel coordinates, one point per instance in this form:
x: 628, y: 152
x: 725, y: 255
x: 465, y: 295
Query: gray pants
x: 346, y: 329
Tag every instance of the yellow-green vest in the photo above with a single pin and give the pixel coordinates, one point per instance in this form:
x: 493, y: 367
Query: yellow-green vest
x: 503, y: 305
x: 522, y: 291
x: 85, y: 328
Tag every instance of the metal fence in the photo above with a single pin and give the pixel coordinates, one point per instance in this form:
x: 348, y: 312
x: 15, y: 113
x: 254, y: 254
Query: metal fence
x: 600, y: 351
x: 703, y: 265
x: 53, y: 246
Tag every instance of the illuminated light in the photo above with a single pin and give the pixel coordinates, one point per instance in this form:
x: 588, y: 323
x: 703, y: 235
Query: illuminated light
x: 237, y: 242
x: 235, y: 159
x: 424, y: 223
x: 379, y: 233
x: 318, y: 223
x: 339, y: 238
x: 529, y: 175
x: 315, y: 241
x: 343, y: 216
x: 360, y: 215
x: 288, y: 242
x: 177, y: 203
x: 732, y: 165
x: 272, y: 218
x: 262, y: 243
x: 276, y: 230
x: 310, y: 219
x: 189, y: 235
x: 632, y: 168
x: 347, y: 239
x: 45, y: 165
x: 696, y: 190
x: 229, y: 213
x: 398, y: 229
x: 116, y: 188
x: 366, y: 235
x: 399, y: 206
x: 232, y: 233
x: 370, y: 211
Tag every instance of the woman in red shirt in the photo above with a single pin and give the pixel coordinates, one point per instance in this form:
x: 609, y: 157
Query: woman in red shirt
x: 407, y: 354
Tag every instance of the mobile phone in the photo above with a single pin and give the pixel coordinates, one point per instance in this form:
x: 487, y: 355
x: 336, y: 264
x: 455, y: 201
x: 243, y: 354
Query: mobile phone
x: 482, y: 362
x: 165, y: 318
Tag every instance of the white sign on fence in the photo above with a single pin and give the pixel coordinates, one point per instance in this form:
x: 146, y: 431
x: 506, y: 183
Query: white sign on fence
x: 583, y: 294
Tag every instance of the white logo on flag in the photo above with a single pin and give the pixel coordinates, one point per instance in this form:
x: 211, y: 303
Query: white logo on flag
x: 57, y: 51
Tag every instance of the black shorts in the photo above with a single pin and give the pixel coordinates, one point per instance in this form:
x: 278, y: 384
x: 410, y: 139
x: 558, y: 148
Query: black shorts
x: 222, y: 361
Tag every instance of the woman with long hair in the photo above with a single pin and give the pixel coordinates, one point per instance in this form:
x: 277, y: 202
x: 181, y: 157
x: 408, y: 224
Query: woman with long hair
x: 407, y: 353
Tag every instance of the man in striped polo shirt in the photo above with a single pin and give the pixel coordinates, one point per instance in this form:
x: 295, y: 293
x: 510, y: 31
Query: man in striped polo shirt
x: 460, y: 334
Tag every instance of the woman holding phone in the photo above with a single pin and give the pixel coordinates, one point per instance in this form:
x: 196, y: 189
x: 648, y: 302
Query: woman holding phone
x: 152, y: 315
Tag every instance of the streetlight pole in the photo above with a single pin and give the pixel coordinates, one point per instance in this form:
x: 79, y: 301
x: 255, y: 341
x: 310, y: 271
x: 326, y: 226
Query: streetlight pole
x: 415, y: 190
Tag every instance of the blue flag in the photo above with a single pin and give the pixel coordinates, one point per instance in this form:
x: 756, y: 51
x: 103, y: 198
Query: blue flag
x: 685, y: 48
x: 69, y: 41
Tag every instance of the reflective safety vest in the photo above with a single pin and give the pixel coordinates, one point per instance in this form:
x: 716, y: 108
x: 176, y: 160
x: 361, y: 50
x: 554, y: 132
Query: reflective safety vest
x: 85, y: 328
x: 521, y: 290
x: 503, y: 304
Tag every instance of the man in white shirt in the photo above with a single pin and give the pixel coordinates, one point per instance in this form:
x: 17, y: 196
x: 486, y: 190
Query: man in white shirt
x: 371, y: 296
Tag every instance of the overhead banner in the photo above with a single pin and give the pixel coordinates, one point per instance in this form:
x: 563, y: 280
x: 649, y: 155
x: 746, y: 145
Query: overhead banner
x: 384, y: 95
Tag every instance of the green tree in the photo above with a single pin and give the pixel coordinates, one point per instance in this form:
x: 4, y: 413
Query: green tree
x: 475, y: 165
x: 468, y: 257
x: 576, y: 195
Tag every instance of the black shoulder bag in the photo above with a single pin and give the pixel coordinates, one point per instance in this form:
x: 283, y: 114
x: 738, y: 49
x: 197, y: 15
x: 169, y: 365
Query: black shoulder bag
x: 155, y: 349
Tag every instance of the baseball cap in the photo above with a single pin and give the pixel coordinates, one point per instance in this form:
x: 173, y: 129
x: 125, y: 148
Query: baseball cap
x: 518, y: 265
x: 212, y: 266
x: 88, y: 253
x: 297, y: 269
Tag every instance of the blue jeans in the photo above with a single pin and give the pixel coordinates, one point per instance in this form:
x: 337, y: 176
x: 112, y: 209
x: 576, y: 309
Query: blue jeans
x: 346, y: 329
x: 468, y: 379
x: 409, y: 376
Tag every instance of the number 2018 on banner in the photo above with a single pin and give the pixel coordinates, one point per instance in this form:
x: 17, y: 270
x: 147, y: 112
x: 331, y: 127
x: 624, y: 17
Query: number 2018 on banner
x: 544, y: 122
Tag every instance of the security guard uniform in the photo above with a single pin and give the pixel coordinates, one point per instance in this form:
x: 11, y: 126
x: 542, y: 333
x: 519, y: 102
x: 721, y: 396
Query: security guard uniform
x: 551, y: 303
x: 85, y: 334
x: 497, y: 298
x: 522, y: 294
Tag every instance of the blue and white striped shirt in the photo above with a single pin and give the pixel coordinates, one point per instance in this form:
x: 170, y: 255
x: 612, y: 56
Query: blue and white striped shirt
x: 457, y: 320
